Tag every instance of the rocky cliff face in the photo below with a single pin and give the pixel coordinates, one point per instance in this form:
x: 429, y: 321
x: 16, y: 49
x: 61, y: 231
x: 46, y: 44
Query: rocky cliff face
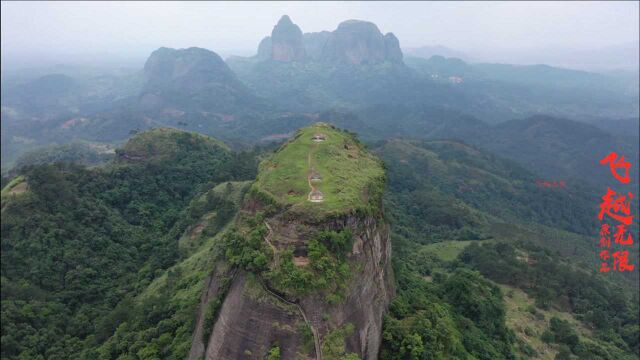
x: 392, y: 48
x: 254, y: 317
x: 353, y: 42
x: 302, y: 317
x: 286, y: 41
x: 360, y: 42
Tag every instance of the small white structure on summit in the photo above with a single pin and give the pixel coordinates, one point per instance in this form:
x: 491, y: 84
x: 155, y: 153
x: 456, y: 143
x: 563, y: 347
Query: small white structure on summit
x: 319, y: 137
x: 316, y: 196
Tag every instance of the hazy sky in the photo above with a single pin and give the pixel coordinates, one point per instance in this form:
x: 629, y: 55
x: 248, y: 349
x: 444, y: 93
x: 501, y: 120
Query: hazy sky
x: 67, y: 31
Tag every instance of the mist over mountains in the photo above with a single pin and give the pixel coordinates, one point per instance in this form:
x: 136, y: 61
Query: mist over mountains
x: 330, y: 194
x: 297, y: 77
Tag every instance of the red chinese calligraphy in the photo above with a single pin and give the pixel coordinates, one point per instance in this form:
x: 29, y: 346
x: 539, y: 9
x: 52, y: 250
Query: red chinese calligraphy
x: 604, y: 266
x: 611, y: 206
x: 619, y: 235
x: 621, y: 261
x: 615, y: 163
x: 605, y: 236
x: 618, y: 207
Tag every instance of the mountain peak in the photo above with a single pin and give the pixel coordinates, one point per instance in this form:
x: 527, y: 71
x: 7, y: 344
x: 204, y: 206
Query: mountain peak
x: 354, y: 24
x: 285, y: 20
x: 355, y: 42
x: 286, y: 41
x: 321, y: 187
x: 361, y: 42
x: 168, y: 65
x: 193, y: 77
x: 323, y: 150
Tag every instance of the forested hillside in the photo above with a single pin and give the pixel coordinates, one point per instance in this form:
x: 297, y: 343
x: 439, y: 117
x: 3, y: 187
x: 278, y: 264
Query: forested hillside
x: 480, y: 246
x: 327, y: 198
x: 77, y: 242
x: 109, y: 262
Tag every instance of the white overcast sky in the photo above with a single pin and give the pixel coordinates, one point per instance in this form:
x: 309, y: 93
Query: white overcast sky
x: 59, y: 30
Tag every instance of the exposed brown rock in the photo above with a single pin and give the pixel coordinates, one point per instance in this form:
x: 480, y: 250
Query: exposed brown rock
x: 354, y: 42
x: 361, y: 42
x: 286, y: 41
x: 253, y: 317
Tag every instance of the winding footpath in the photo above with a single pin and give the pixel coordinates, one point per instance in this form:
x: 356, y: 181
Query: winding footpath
x: 276, y: 257
x: 313, y: 188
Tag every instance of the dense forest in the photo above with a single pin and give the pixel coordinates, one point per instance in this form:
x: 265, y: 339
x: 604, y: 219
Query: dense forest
x: 79, y: 241
x: 471, y: 228
x: 343, y: 198
x: 97, y: 262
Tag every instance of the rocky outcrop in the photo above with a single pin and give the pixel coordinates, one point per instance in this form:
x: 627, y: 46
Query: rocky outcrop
x: 264, y: 49
x: 353, y: 42
x: 193, y: 78
x: 370, y: 290
x: 392, y: 48
x: 251, y: 322
x: 286, y: 41
x: 316, y: 275
x: 255, y: 317
x: 214, y: 289
x: 192, y: 69
x: 361, y: 42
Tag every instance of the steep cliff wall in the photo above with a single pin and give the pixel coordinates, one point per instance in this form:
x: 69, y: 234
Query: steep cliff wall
x: 255, y: 317
x: 314, y: 277
x: 360, y: 42
x: 286, y: 41
x: 354, y: 42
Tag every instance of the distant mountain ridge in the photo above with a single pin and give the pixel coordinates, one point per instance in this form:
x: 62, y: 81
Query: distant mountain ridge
x: 354, y: 68
x: 427, y: 52
x: 353, y: 42
x: 556, y: 148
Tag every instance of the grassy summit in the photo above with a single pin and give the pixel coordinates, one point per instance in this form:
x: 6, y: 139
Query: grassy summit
x: 350, y: 178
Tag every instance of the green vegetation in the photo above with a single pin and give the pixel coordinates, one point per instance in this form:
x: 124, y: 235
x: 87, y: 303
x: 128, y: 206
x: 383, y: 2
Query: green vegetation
x: 529, y: 323
x: 451, y: 191
x: 249, y: 251
x: 165, y: 143
x: 110, y: 262
x: 306, y: 334
x: 245, y: 246
x: 17, y: 185
x: 446, y: 250
x: 274, y: 353
x: 84, y: 153
x: 327, y: 271
x: 333, y: 346
x: 457, y: 316
x: 91, y: 267
x: 554, y: 283
x: 454, y: 207
x: 352, y: 179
